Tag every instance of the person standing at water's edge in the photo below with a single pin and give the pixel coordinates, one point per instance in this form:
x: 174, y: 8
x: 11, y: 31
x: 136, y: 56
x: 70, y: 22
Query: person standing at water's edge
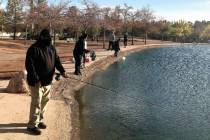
x: 41, y: 61
x: 116, y: 47
x: 125, y: 40
x: 84, y: 54
x: 78, y: 52
x: 111, y: 41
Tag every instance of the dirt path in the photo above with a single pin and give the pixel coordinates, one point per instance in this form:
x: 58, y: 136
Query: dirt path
x: 14, y: 117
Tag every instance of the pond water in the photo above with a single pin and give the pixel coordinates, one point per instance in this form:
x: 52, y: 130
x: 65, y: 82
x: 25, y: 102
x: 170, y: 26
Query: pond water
x: 155, y: 94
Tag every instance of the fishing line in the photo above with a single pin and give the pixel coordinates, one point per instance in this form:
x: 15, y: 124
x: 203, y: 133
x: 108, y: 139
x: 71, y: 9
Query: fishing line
x: 138, y: 100
x: 80, y: 80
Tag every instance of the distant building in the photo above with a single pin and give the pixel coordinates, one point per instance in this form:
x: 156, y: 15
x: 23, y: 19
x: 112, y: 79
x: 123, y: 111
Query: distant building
x: 5, y: 35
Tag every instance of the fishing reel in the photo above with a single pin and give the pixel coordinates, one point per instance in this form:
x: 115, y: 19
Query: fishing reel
x: 57, y: 76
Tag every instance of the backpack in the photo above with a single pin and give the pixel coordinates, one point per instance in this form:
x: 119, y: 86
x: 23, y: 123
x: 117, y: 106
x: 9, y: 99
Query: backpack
x: 93, y: 55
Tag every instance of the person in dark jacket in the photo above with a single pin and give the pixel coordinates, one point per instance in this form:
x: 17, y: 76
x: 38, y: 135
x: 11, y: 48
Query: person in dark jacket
x: 116, y: 47
x: 41, y: 61
x: 125, y: 40
x: 78, y: 52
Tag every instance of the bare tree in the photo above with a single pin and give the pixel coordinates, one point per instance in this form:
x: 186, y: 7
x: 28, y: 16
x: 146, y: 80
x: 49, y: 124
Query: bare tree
x: 56, y: 16
x: 42, y: 15
x: 37, y: 15
x: 110, y: 20
x: 116, y: 21
x: 146, y: 18
x: 126, y: 12
x: 134, y: 16
x: 90, y: 16
x: 104, y: 21
x: 2, y: 18
x: 14, y: 15
x: 163, y: 28
x: 72, y: 20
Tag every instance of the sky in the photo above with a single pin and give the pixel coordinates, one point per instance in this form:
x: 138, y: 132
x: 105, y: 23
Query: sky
x: 172, y: 10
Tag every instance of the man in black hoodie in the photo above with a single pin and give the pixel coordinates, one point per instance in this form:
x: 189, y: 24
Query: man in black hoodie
x: 116, y: 47
x: 41, y: 61
x: 78, y: 52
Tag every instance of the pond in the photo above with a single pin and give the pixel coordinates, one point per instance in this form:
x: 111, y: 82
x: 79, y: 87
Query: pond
x: 155, y: 94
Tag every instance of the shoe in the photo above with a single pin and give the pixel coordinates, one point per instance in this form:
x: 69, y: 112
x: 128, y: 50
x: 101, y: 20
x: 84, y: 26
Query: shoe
x: 34, y: 131
x: 76, y: 73
x: 41, y: 125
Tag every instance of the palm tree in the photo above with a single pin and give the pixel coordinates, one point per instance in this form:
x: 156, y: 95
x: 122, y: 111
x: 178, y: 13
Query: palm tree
x: 182, y: 29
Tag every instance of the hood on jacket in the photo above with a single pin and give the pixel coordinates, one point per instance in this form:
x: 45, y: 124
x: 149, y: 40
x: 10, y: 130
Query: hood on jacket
x: 44, y: 38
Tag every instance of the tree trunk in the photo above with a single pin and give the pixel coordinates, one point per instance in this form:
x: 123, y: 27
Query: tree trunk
x: 132, y: 41
x: 132, y: 36
x: 145, y: 38
x: 54, y: 37
x: 14, y: 25
x: 26, y: 34
x: 104, y: 36
x: 75, y: 35
x: 32, y: 31
x: 2, y: 30
x: 14, y: 29
x: 14, y: 32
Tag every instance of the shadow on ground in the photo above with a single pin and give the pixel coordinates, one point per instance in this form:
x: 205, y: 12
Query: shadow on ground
x: 2, y: 90
x: 13, y: 128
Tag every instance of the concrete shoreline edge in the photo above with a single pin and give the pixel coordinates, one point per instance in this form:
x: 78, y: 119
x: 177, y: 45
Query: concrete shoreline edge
x: 68, y: 87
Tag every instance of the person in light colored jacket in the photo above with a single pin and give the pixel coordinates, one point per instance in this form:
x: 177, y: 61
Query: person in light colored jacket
x: 84, y: 56
x: 111, y: 41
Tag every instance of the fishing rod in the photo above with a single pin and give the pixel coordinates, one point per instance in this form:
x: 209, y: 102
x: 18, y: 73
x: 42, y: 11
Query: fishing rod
x: 57, y: 77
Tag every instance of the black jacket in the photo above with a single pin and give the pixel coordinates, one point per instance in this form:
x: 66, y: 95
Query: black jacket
x: 117, y: 45
x: 79, y: 48
x: 41, y: 61
x: 125, y: 37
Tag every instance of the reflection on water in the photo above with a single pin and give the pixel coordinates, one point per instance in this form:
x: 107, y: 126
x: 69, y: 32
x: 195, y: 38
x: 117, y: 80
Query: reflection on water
x: 162, y: 94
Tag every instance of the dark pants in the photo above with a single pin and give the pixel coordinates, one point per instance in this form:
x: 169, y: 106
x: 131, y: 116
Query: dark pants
x: 125, y: 43
x: 110, y: 45
x: 116, y: 53
x: 78, y: 59
x: 84, y: 58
